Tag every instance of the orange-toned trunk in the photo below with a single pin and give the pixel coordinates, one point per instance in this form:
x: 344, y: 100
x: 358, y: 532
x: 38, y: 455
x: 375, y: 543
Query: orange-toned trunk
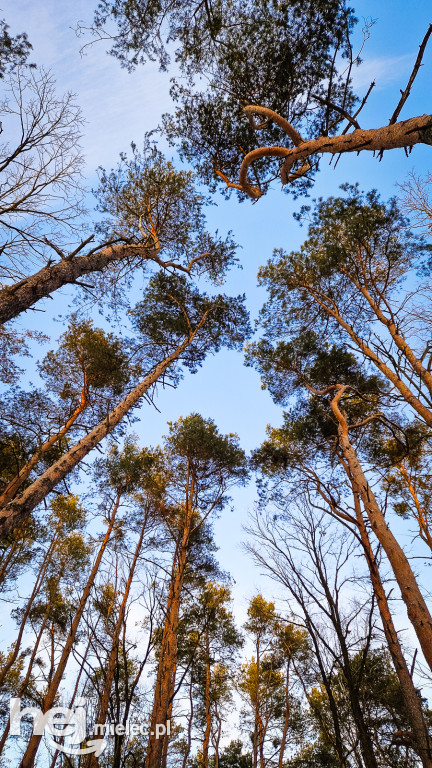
x: 417, y: 609
x: 165, y: 680
x: 33, y: 745
x: 18, y: 509
x: 409, y: 693
x: 15, y: 484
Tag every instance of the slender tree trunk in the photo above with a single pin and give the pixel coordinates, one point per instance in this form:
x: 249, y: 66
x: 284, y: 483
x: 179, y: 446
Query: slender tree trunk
x: 23, y: 686
x: 17, y: 298
x: 218, y: 736
x: 33, y: 745
x: 255, y: 737
x: 189, y: 726
x: 119, y: 738
x: 8, y: 556
x: 72, y: 699
x: 112, y: 660
x: 165, y: 680
x: 365, y: 741
x: 421, y: 517
x: 20, y: 508
x: 409, y: 693
x: 423, y: 411
x: 15, y: 484
x: 206, y: 741
x: 400, y: 342
x: 417, y: 609
x: 286, y: 718
x: 36, y: 589
x: 337, y: 742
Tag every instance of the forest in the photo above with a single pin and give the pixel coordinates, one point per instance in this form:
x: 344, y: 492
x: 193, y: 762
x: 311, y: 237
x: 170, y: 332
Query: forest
x: 232, y: 573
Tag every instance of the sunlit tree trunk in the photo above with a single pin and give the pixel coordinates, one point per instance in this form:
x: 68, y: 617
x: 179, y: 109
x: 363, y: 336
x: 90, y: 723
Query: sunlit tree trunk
x: 17, y: 298
x: 112, y: 659
x: 417, y: 609
x: 165, y: 680
x: 17, y: 510
x: 15, y: 484
x: 33, y: 745
x: 409, y: 693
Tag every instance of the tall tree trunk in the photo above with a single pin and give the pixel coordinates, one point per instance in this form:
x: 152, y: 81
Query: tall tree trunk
x: 112, y: 659
x: 73, y: 697
x: 206, y: 740
x: 417, y: 609
x: 189, y: 725
x: 286, y: 718
x: 25, y: 681
x: 16, y: 298
x: 33, y: 745
x: 165, y: 680
x: 9, y: 554
x: 20, y: 508
x: 409, y: 693
x: 421, y: 516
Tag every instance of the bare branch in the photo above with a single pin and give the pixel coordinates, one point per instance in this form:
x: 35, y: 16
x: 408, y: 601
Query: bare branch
x: 413, y: 76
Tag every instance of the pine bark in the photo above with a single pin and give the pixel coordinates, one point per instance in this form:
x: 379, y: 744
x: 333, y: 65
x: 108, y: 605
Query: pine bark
x: 16, y: 298
x: 409, y: 693
x: 165, y: 680
x: 17, y: 510
x: 112, y: 660
x: 417, y: 609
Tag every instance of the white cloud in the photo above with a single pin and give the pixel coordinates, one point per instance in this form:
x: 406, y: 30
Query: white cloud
x: 382, y: 69
x: 118, y: 107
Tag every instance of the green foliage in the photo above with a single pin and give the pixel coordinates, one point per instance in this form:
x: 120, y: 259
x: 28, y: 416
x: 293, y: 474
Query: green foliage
x: 261, y: 617
x: 379, y: 692
x: 13, y: 50
x: 234, y: 757
x: 148, y: 201
x: 66, y: 513
x: 131, y: 469
x: 280, y: 55
x: 356, y: 245
x: 172, y: 308
x: 215, y: 461
x: 87, y: 359
x: 306, y: 359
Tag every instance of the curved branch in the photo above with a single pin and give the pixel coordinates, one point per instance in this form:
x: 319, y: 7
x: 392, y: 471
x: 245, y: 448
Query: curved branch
x: 269, y: 114
x: 407, y: 133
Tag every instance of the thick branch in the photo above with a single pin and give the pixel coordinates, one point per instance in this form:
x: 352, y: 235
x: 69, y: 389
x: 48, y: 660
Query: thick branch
x: 17, y: 298
x: 20, y: 508
x: 408, y: 133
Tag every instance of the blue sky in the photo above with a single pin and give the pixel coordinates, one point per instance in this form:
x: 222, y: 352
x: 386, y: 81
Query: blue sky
x: 119, y: 107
